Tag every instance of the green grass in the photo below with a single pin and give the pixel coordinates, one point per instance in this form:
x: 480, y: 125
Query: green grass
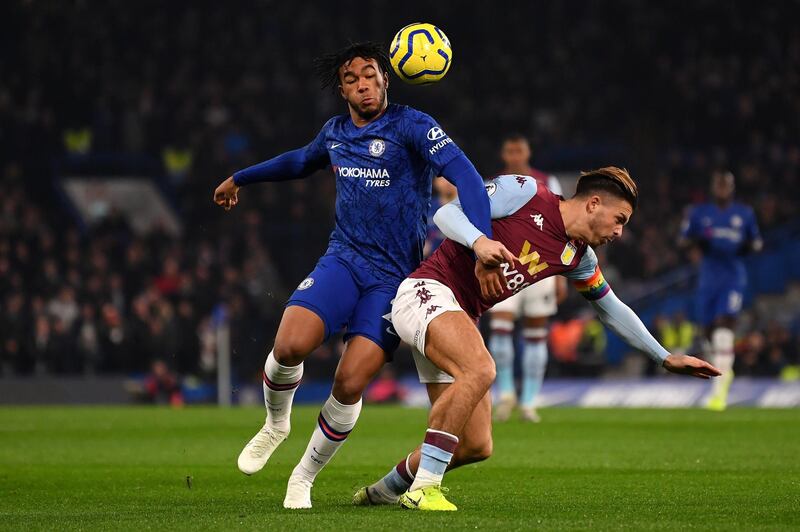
x: 126, y: 468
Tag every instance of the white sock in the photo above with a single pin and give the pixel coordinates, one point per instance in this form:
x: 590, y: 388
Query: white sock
x: 280, y: 383
x: 334, y: 423
x: 722, y: 340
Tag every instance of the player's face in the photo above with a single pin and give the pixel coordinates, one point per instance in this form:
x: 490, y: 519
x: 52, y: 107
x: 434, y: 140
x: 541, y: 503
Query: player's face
x: 722, y: 186
x: 607, y: 215
x: 515, y: 155
x: 364, y: 85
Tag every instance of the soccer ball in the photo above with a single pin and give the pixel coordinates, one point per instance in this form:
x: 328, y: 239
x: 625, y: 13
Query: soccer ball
x: 420, y: 53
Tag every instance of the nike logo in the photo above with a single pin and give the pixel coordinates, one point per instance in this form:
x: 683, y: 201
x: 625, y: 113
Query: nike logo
x: 412, y: 501
x: 391, y: 331
x: 336, y: 145
x: 319, y: 453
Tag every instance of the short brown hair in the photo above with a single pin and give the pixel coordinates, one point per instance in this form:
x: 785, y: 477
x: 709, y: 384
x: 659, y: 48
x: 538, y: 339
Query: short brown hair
x: 610, y: 179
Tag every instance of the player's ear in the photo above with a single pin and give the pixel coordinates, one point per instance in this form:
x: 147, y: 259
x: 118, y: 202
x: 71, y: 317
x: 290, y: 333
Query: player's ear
x: 385, y: 80
x: 593, y: 203
x: 341, y: 92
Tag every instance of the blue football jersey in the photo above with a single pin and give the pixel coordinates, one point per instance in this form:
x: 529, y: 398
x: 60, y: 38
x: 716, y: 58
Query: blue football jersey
x: 725, y: 231
x: 383, y: 175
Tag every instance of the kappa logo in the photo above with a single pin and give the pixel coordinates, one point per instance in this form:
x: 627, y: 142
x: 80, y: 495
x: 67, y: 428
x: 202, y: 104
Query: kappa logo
x: 435, y: 133
x: 538, y: 219
x: 307, y: 282
x: 377, y: 147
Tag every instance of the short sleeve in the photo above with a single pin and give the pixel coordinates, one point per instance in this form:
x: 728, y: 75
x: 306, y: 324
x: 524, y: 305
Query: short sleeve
x: 429, y: 140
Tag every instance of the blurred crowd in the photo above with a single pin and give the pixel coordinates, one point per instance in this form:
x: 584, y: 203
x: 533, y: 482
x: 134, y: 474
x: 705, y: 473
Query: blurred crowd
x: 671, y: 91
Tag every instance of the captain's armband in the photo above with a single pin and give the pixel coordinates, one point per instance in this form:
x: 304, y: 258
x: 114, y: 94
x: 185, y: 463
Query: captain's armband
x: 594, y: 287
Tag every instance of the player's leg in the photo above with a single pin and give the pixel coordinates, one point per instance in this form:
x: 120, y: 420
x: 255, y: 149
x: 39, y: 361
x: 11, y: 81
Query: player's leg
x: 534, y: 365
x: 538, y: 305
x: 369, y: 339
x: 360, y: 362
x: 501, y: 346
x: 317, y: 308
x: 454, y: 345
x: 474, y: 445
x: 722, y: 339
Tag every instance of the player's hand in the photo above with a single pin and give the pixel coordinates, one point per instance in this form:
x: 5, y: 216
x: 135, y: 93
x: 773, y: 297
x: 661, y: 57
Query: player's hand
x: 491, y: 252
x: 689, y: 365
x: 490, y: 279
x: 227, y: 194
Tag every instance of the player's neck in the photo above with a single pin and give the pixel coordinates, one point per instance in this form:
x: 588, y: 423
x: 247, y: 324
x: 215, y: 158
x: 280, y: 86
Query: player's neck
x: 723, y: 204
x: 571, y: 216
x: 360, y: 121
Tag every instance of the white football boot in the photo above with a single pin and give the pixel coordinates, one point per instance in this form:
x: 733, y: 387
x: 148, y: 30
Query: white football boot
x: 258, y: 450
x: 298, y: 493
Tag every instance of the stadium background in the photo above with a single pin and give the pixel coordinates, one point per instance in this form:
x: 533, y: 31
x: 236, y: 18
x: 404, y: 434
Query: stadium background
x: 181, y: 95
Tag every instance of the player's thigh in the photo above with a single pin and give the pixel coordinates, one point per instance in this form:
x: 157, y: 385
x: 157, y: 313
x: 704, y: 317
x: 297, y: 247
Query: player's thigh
x: 508, y: 309
x: 539, y: 299
x: 454, y: 344
x: 361, y: 361
x: 371, y: 318
x: 330, y: 292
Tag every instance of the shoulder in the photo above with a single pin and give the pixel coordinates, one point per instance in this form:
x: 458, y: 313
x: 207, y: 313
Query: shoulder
x: 511, y: 182
x: 335, y: 122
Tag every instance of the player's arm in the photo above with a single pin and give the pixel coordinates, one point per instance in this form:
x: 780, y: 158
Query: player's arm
x: 443, y: 155
x: 507, y: 194
x: 619, y: 317
x: 753, y: 243
x: 691, y: 231
x: 294, y: 164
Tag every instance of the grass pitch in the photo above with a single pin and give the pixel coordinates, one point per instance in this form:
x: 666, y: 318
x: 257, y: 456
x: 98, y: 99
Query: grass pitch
x: 127, y: 468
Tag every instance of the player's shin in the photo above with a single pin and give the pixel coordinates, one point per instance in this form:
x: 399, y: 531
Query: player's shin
x: 501, y: 346
x: 534, y: 365
x: 280, y: 384
x: 334, y: 424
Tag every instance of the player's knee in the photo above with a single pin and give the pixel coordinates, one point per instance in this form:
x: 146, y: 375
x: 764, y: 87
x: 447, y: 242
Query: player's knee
x: 290, y: 352
x: 348, y: 386
x: 483, y: 371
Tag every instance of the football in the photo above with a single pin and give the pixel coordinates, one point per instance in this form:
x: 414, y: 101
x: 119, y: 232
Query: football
x: 420, y: 54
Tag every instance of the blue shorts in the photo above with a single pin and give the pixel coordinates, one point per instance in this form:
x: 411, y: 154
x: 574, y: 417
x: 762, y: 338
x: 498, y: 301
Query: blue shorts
x: 717, y: 301
x: 347, y: 297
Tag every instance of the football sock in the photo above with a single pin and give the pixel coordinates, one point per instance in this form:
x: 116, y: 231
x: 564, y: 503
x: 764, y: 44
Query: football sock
x: 501, y: 346
x: 280, y: 383
x: 435, y: 455
x: 334, y: 423
x: 534, y: 365
x: 722, y: 340
x: 395, y: 483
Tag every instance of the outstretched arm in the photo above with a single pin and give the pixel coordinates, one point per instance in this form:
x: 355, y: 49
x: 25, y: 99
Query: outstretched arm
x: 623, y: 321
x: 293, y: 164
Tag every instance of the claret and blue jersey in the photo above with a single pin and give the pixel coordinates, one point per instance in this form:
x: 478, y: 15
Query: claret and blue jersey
x: 723, y: 233
x: 383, y: 172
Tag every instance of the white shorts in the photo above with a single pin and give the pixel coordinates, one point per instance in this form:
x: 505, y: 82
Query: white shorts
x: 535, y: 301
x: 417, y: 303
